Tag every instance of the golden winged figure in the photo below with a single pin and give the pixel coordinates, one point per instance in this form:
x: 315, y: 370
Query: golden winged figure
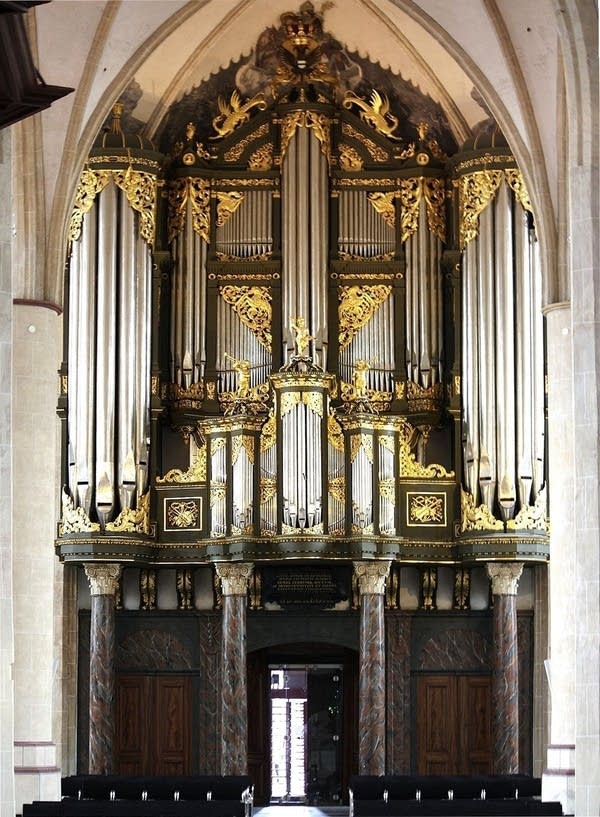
x: 235, y: 112
x: 376, y: 112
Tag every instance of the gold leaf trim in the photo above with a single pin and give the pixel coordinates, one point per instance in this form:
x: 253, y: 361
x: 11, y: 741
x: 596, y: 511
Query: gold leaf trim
x: 349, y: 158
x: 195, y: 473
x: 133, y: 520
x: 140, y: 189
x: 197, y: 191
x: 517, y: 185
x: 253, y: 307
x: 227, y: 204
x: 474, y: 517
x: 475, y: 192
x: 384, y: 204
x: 357, y: 305
x: 376, y: 153
x: 234, y: 153
x: 319, y: 123
x: 335, y: 435
x: 91, y: 183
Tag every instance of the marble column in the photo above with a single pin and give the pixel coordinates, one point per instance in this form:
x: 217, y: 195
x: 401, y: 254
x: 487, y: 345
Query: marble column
x: 104, y: 580
x: 505, y: 681
x: 371, y: 685
x: 234, y: 694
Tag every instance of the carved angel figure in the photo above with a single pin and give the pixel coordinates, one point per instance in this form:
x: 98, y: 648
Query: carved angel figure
x: 302, y: 335
x: 242, y: 367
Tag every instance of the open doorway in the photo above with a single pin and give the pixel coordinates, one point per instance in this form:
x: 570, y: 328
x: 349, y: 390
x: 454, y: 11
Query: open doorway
x: 306, y: 723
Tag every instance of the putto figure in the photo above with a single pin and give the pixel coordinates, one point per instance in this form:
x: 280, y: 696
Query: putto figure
x: 302, y: 336
x: 242, y: 367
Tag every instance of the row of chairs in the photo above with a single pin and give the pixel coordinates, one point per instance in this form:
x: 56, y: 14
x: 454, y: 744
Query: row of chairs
x: 404, y: 795
x: 146, y: 796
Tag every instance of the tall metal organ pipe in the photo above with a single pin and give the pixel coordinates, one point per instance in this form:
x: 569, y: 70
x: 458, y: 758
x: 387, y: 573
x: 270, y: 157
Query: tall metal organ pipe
x: 503, y: 405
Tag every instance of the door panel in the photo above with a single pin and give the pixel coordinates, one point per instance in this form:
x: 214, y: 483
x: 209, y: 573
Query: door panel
x: 437, y: 724
x: 454, y: 724
x: 153, y: 724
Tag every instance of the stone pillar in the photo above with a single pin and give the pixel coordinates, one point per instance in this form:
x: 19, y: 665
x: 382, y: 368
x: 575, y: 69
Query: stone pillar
x: 371, y: 685
x: 104, y: 580
x: 234, y: 694
x: 505, y: 682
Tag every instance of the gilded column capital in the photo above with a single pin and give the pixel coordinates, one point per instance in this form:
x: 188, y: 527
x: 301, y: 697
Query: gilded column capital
x: 371, y: 576
x: 234, y: 577
x: 103, y: 579
x: 505, y: 577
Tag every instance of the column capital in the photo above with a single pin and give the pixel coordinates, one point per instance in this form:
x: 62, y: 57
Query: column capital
x: 371, y: 576
x: 505, y: 577
x: 234, y: 577
x: 103, y: 579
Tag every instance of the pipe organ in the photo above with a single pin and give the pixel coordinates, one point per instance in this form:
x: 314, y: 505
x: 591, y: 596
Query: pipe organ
x: 301, y: 335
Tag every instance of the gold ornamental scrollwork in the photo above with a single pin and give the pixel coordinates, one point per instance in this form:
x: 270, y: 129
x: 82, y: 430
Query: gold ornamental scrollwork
x: 337, y: 488
x: 532, y: 517
x: 268, y: 435
x: 377, y: 153
x: 476, y: 517
x: 376, y: 112
x: 197, y: 192
x: 183, y: 513
x: 349, y: 158
x: 384, y: 204
x: 261, y: 158
x: 195, y: 473
x: 411, y: 193
x: 218, y: 492
x: 140, y: 190
x: 387, y: 490
x: 253, y: 307
x: 133, y: 520
x: 335, y: 435
x: 235, y: 152
x: 426, y: 509
x: 317, y: 122
x: 234, y: 113
x: 475, y: 193
x: 409, y: 467
x: 91, y: 183
x: 74, y: 520
x: 516, y: 183
x: 227, y: 204
x: 357, y: 305
x: 268, y: 489
x: 288, y: 400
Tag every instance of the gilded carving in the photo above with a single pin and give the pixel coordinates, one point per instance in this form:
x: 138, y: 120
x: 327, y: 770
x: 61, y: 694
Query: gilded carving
x: 349, y: 158
x: 387, y: 490
x: 148, y: 589
x: 195, y: 473
x: 74, y: 520
x: 399, y: 389
x: 227, y: 204
x: 411, y: 192
x: 182, y: 513
x: 288, y: 400
x: 234, y: 153
x: 337, y: 488
x: 384, y: 204
x: 350, y: 256
x: 420, y: 398
x: 377, y: 153
x: 357, y: 305
x: 268, y: 435
x: 234, y: 113
x: 409, y: 467
x: 335, y: 435
x: 476, y: 517
x: 184, y: 582
x: 371, y: 576
x: 91, y: 183
x: 261, y: 158
x: 268, y: 489
x: 475, y: 193
x: 317, y: 122
x: 462, y: 588
x: 516, y: 183
x: 252, y: 304
x: 132, y: 520
x: 532, y: 517
x: 197, y: 192
x: 375, y: 112
x: 218, y: 492
x: 263, y: 256
x: 140, y: 190
x: 426, y: 509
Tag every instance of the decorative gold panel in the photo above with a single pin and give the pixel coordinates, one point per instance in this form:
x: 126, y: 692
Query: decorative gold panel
x: 357, y: 305
x: 183, y: 513
x: 337, y: 488
x: 261, y: 158
x: 412, y: 191
x: 253, y: 307
x: 349, y: 158
x: 234, y: 153
x: 335, y: 435
x: 227, y: 204
x: 426, y: 509
x: 197, y: 191
x: 377, y: 153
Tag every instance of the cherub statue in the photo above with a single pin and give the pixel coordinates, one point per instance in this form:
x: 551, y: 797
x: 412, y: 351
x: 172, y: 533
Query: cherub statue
x: 242, y: 367
x: 361, y: 368
x: 302, y: 336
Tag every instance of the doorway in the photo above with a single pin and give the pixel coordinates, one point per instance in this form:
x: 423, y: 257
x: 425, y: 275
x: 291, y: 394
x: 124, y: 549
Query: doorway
x: 454, y: 724
x: 306, y: 707
x: 302, y: 736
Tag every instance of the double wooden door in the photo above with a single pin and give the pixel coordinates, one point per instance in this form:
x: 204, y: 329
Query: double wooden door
x: 454, y: 724
x: 153, y: 724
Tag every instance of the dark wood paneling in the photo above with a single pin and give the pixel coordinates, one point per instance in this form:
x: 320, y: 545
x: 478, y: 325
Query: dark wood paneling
x: 153, y: 724
x: 454, y: 724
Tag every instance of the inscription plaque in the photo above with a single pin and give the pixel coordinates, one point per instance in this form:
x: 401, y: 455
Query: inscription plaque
x: 322, y: 587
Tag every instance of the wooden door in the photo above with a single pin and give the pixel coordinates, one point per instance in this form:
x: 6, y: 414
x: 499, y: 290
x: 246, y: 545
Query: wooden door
x: 153, y: 724
x: 454, y: 724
